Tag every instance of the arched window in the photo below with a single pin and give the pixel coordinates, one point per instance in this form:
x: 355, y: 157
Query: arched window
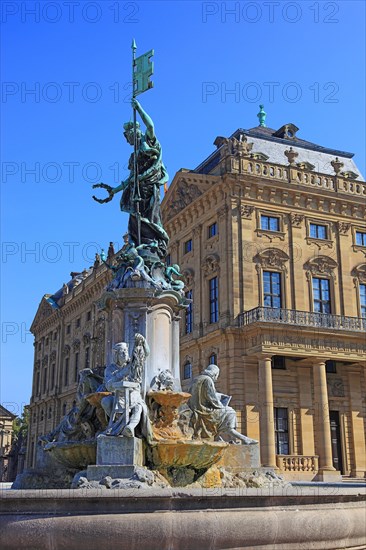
x: 213, y: 359
x: 187, y: 371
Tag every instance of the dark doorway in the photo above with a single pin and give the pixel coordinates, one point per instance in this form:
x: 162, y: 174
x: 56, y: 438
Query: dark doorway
x: 335, y: 433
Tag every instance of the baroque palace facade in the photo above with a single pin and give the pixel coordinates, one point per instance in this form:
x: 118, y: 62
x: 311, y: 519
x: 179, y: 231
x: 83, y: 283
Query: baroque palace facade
x: 270, y: 235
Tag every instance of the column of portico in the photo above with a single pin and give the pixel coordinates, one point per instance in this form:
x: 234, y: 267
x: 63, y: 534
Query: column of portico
x: 266, y: 419
x: 357, y: 422
x: 322, y: 424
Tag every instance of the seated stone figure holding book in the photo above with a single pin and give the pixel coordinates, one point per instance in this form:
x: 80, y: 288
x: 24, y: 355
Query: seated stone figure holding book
x: 211, y: 414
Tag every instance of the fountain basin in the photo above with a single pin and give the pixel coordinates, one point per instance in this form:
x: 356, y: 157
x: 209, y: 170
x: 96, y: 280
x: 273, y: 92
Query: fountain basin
x: 73, y: 454
x: 168, y: 398
x: 182, y: 454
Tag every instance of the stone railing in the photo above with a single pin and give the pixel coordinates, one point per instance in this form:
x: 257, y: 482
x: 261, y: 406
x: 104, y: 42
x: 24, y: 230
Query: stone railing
x: 293, y: 174
x: 297, y: 463
x: 266, y: 170
x: 352, y: 187
x: 301, y: 318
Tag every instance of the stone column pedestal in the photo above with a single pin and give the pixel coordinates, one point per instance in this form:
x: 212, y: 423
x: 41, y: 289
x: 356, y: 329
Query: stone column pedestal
x: 153, y: 314
x: 117, y: 457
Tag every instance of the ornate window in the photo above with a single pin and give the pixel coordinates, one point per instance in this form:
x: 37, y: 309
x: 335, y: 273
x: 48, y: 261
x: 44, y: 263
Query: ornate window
x: 189, y: 314
x: 272, y: 293
x: 44, y: 380
x: 66, y: 372
x: 317, y: 231
x: 272, y: 271
x: 318, y: 234
x: 76, y: 367
x: 359, y: 279
x: 321, y: 295
x: 212, y: 230
x: 320, y: 272
x: 360, y: 238
x: 214, y: 300
x: 281, y: 431
x: 363, y: 300
x: 52, y: 380
x: 187, y: 370
x: 188, y: 246
x: 270, y: 223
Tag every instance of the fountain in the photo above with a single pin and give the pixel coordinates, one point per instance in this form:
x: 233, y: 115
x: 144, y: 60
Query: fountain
x: 134, y: 436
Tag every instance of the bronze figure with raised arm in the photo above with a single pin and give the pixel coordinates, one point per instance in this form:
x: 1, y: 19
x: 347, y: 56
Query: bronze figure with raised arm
x: 141, y: 195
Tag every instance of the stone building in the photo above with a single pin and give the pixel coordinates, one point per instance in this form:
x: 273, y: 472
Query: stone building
x: 6, y: 433
x: 69, y: 336
x: 269, y: 233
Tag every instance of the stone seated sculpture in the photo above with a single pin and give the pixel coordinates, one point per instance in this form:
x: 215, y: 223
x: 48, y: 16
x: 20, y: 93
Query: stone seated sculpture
x: 125, y: 408
x: 211, y: 414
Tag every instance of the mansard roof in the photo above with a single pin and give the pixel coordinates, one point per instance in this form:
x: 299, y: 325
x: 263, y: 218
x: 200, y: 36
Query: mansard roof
x: 274, y: 143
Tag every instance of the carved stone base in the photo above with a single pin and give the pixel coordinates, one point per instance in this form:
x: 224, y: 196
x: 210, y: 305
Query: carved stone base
x: 328, y: 475
x: 237, y: 458
x: 115, y: 471
x: 117, y: 457
x: 120, y: 451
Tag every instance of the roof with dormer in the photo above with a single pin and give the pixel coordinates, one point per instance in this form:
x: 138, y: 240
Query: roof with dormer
x: 274, y: 143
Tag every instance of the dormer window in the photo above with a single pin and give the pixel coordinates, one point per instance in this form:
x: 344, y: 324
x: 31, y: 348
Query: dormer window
x: 287, y: 131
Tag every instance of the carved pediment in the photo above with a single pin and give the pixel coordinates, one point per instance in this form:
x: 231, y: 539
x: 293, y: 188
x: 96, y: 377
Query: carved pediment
x: 184, y: 194
x: 343, y: 227
x: 188, y: 277
x: 76, y: 345
x: 359, y: 273
x: 44, y: 311
x: 211, y: 264
x: 272, y: 258
x: 296, y: 219
x: 66, y: 349
x: 246, y: 211
x: 321, y: 265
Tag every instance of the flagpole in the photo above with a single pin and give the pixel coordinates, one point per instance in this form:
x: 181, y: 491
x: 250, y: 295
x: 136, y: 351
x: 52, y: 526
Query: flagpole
x: 136, y: 190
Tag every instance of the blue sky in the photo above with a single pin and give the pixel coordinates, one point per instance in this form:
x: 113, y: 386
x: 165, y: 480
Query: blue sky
x: 215, y: 62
